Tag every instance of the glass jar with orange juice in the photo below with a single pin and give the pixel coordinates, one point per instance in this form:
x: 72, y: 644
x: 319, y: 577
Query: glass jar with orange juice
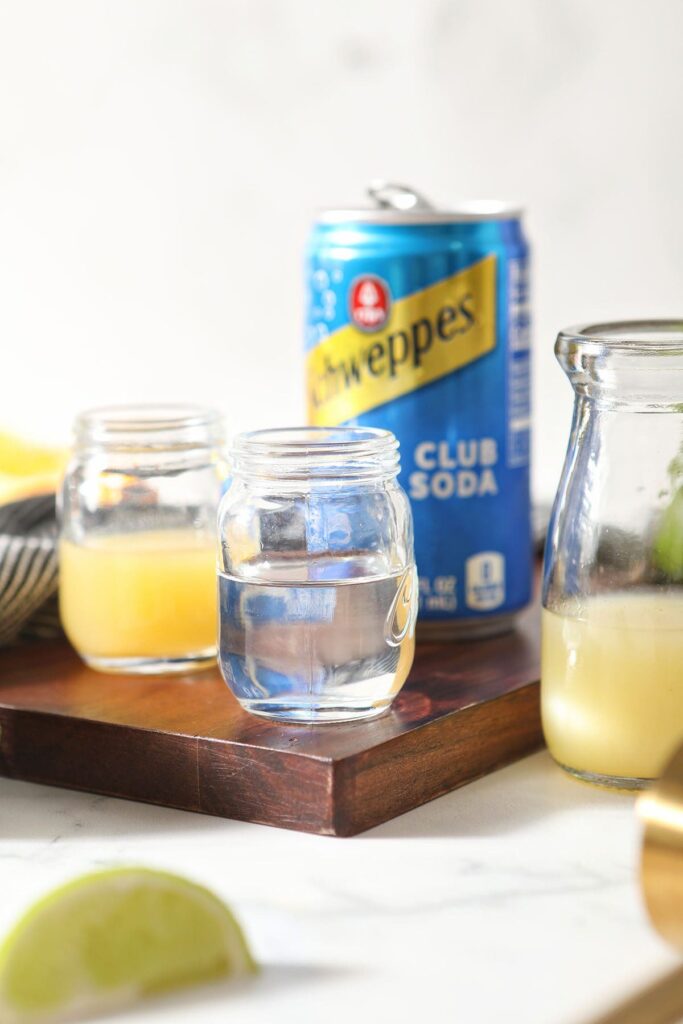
x: 137, y: 549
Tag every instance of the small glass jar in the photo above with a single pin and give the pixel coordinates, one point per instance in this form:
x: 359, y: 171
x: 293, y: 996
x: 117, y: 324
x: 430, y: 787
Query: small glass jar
x: 612, y: 661
x: 317, y: 581
x: 137, y: 550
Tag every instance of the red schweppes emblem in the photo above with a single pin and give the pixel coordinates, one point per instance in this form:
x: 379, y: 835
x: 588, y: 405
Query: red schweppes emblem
x: 369, y: 302
x: 390, y: 348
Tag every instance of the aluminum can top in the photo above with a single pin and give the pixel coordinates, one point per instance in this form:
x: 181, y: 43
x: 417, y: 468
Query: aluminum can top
x: 392, y: 203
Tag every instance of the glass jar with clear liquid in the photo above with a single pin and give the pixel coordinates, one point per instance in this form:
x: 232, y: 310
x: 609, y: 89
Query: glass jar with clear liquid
x: 612, y: 637
x: 317, y: 582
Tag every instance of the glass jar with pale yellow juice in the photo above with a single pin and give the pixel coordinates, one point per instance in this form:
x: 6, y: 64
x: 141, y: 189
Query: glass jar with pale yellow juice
x: 137, y: 550
x: 612, y: 628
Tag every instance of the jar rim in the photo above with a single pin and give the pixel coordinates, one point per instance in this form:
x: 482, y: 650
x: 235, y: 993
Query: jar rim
x: 147, y: 416
x: 315, y: 439
x: 305, y: 452
x: 149, y: 424
x: 637, y: 337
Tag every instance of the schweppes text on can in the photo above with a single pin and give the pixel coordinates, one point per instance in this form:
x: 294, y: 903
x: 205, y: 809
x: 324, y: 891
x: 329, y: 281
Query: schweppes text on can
x: 418, y: 321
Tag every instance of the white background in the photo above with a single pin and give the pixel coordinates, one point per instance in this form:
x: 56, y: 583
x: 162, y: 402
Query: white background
x: 160, y: 163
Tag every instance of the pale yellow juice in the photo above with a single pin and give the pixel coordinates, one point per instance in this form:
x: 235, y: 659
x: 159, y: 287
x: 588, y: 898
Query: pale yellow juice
x: 147, y: 595
x: 612, y: 683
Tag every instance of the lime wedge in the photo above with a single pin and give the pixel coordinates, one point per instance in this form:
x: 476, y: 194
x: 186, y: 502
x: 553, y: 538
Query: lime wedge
x: 110, y: 938
x: 668, y: 550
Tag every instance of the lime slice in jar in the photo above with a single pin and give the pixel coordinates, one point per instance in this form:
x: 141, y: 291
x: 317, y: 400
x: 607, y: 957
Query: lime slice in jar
x: 668, y: 547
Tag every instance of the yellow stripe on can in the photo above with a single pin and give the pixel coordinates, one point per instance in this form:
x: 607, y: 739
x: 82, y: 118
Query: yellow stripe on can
x: 429, y: 334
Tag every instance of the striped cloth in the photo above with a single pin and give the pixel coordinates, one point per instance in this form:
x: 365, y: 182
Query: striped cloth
x: 28, y: 570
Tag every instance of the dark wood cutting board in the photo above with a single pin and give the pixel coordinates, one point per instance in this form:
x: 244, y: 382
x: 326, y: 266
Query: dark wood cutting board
x: 183, y: 741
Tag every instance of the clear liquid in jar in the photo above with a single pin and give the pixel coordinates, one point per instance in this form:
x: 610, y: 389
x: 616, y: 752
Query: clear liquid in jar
x: 317, y: 649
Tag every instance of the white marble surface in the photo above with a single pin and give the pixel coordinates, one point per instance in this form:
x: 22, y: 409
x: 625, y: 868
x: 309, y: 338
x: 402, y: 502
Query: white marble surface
x: 513, y: 899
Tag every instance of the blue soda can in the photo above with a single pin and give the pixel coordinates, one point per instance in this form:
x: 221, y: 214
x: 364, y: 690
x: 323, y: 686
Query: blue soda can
x: 418, y: 322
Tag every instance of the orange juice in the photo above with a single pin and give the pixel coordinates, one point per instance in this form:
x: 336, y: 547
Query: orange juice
x: 612, y: 684
x: 140, y: 597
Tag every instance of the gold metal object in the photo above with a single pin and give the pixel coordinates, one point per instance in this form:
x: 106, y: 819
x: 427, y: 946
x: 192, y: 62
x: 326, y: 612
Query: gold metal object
x: 661, y: 810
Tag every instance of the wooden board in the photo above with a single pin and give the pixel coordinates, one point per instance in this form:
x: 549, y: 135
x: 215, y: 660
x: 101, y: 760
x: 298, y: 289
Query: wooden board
x: 183, y: 741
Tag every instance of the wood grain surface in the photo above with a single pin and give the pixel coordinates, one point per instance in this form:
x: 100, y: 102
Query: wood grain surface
x: 183, y: 741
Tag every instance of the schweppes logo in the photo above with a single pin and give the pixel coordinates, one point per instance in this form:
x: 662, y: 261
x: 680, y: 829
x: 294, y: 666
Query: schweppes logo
x: 428, y: 334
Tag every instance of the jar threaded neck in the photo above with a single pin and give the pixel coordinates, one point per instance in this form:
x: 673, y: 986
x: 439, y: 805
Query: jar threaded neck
x: 324, y: 453
x: 149, y: 426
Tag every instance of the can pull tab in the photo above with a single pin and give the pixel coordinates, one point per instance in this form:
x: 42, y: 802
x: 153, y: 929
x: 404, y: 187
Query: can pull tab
x: 392, y: 196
